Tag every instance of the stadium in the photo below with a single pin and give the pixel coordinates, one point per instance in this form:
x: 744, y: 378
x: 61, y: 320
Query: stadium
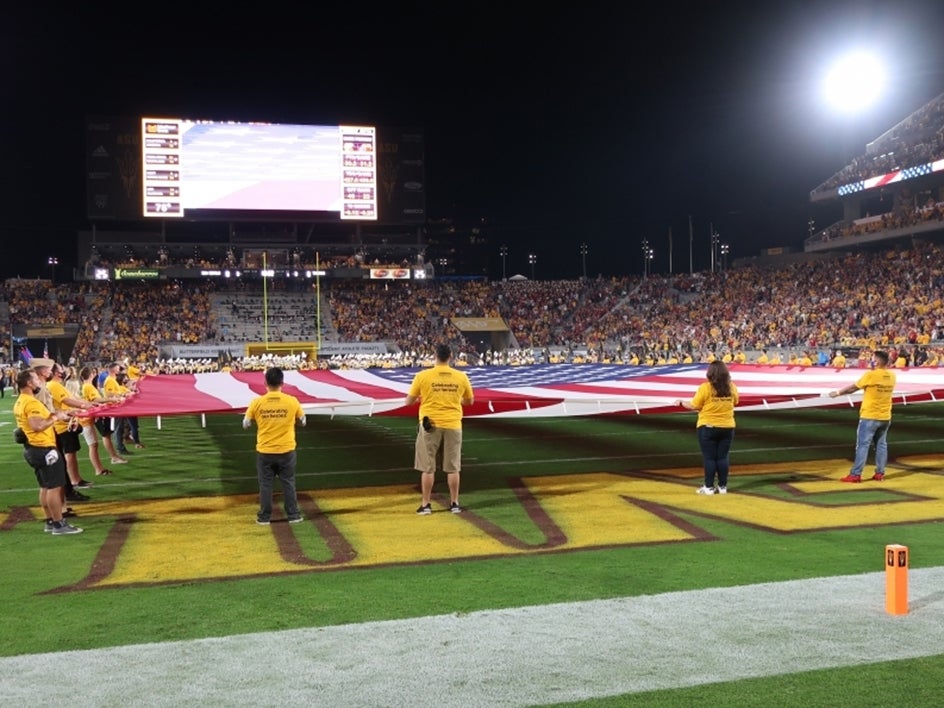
x: 585, y: 570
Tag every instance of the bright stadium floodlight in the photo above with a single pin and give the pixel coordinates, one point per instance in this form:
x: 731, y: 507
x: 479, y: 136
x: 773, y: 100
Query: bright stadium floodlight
x: 854, y: 82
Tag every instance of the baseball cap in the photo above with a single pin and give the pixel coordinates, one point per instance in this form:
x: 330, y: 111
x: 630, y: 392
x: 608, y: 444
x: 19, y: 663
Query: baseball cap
x: 37, y: 362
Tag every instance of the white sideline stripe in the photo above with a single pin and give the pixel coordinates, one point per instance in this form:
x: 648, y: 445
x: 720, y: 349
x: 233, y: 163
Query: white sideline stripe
x: 515, y: 657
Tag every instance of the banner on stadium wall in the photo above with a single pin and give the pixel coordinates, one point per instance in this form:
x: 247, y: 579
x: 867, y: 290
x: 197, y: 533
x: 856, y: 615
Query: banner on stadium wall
x: 389, y: 273
x: 212, y: 351
x: 137, y: 273
x: 480, y: 324
x: 200, y: 351
x: 342, y: 348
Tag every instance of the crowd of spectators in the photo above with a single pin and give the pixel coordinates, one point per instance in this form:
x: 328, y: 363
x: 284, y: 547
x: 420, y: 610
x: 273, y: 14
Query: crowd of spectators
x: 915, y: 141
x: 856, y: 301
x: 906, y: 214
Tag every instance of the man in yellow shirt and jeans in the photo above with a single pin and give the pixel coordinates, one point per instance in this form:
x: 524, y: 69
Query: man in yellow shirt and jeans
x: 875, y: 417
x: 275, y: 414
x: 441, y: 391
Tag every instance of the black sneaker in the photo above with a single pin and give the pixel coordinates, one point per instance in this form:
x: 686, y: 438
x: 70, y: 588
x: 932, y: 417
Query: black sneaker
x: 68, y: 512
x: 76, y: 497
x: 82, y: 484
x: 49, y: 526
x: 455, y: 508
x: 263, y: 522
x: 424, y: 510
x: 295, y: 519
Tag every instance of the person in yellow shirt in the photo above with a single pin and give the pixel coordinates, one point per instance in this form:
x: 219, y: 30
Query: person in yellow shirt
x: 740, y: 357
x: 715, y: 400
x: 775, y: 359
x: 37, y: 424
x: 67, y: 432
x: 442, y: 391
x: 875, y: 416
x: 275, y: 415
x: 92, y: 428
x: 839, y: 360
x: 763, y: 358
x: 805, y: 360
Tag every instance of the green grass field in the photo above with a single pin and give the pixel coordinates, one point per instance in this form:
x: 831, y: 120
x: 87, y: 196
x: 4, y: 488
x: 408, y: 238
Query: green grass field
x: 171, y: 551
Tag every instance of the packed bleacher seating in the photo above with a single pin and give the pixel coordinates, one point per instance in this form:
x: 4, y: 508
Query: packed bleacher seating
x: 854, y: 301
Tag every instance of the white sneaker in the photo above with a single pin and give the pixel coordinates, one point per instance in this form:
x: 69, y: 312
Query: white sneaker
x: 722, y: 490
x: 706, y: 490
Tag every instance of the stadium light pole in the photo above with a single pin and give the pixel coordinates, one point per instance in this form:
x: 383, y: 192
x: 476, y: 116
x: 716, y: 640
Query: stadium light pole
x: 646, y: 257
x: 715, y: 240
x: 584, y: 250
x: 725, y: 249
x: 532, y: 259
x: 53, y: 262
x: 503, y: 252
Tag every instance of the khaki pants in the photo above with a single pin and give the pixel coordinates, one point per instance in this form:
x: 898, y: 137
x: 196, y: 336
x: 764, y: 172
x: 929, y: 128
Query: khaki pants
x: 439, y: 448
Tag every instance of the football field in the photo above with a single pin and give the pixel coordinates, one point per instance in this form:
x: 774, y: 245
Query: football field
x: 585, y: 568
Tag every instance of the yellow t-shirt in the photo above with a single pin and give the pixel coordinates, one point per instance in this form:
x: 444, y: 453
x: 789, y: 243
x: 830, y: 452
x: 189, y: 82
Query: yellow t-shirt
x: 90, y: 394
x: 440, y: 391
x: 878, y: 386
x: 275, y: 414
x: 59, y: 393
x: 26, y: 407
x: 111, y: 387
x: 713, y: 410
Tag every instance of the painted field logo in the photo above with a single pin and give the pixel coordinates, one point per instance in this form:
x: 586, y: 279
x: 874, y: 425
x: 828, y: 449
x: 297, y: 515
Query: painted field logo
x: 166, y: 541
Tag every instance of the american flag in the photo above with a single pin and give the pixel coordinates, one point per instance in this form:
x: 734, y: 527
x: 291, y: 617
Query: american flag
x: 521, y: 391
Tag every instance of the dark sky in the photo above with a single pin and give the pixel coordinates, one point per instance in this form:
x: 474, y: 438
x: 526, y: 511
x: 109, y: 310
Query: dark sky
x: 561, y: 124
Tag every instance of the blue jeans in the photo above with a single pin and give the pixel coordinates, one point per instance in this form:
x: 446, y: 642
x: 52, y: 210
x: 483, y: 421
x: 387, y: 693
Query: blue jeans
x: 870, y: 431
x: 715, y: 444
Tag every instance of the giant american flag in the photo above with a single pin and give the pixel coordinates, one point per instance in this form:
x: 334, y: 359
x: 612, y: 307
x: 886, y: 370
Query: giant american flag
x: 519, y: 391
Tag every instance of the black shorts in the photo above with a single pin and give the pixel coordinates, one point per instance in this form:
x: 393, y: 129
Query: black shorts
x: 68, y: 441
x: 103, y: 425
x: 48, y: 464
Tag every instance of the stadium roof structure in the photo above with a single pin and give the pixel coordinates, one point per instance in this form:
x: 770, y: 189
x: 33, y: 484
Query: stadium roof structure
x: 891, y: 191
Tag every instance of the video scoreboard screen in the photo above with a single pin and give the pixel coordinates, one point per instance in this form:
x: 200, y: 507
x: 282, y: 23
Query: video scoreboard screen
x: 213, y: 169
x: 179, y: 169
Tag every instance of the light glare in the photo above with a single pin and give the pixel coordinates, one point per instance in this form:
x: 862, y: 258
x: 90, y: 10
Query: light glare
x: 854, y: 83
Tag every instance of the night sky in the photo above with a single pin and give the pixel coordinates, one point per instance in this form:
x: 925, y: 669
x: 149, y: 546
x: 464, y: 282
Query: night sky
x: 559, y: 124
